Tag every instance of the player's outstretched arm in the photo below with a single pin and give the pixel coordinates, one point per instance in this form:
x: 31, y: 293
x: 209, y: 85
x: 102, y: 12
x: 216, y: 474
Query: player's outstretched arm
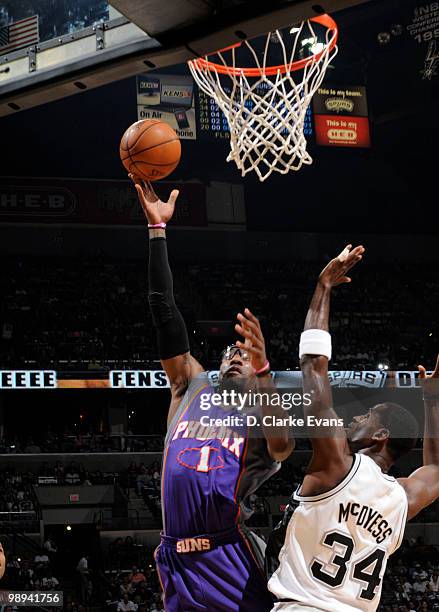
x: 173, y: 342
x: 280, y: 443
x: 331, y: 458
x: 422, y: 487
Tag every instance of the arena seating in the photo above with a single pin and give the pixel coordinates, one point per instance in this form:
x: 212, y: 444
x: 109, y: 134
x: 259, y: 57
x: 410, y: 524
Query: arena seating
x: 412, y: 579
x: 411, y: 582
x: 76, y: 313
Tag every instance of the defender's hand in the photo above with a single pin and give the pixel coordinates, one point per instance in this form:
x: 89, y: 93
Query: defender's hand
x: 155, y: 210
x: 429, y: 382
x: 335, y: 272
x: 254, y: 343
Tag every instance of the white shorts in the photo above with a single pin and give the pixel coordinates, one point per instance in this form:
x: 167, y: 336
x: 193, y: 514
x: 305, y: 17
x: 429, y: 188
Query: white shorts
x: 293, y: 607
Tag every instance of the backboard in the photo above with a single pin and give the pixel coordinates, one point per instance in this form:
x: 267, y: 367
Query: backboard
x: 82, y: 44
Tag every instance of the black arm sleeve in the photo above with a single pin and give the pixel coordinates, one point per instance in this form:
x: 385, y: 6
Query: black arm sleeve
x: 172, y: 335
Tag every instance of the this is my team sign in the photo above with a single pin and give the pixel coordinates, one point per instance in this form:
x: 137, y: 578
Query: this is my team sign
x: 341, y: 117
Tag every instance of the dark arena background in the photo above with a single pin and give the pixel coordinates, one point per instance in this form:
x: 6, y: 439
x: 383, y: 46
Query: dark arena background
x: 83, y: 398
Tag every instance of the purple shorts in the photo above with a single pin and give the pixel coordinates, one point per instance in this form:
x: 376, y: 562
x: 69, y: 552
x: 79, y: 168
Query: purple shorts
x: 211, y: 573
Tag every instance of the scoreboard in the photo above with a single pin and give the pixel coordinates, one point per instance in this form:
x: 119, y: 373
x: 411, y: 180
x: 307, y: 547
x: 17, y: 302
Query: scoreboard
x: 337, y: 116
x: 212, y: 123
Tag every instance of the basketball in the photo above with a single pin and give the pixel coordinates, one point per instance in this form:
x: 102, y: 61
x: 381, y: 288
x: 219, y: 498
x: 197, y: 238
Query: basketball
x: 150, y: 149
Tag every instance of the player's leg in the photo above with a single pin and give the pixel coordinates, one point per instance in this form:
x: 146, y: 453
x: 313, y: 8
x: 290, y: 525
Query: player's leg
x: 231, y: 579
x: 170, y: 597
x: 179, y: 582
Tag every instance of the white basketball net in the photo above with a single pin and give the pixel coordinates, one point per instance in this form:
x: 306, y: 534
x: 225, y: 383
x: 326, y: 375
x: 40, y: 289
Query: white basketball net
x: 266, y: 114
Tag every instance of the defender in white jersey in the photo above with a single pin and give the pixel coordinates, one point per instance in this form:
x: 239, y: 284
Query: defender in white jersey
x: 350, y: 515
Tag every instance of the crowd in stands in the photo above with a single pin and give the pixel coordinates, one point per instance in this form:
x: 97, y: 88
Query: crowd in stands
x: 16, y: 492
x: 70, y: 442
x: 16, y: 485
x: 76, y: 314
x: 136, y: 590
x: 36, y: 572
x: 124, y: 579
x: 411, y: 582
x: 142, y: 477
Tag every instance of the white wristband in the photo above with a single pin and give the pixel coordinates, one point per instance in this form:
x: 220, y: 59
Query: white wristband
x: 315, y: 342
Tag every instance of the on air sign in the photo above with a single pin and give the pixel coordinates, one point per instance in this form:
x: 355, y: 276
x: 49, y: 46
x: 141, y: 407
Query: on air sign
x: 341, y: 117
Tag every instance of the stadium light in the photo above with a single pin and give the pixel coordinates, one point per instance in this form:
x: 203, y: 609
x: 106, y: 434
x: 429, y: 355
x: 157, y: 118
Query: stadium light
x: 317, y: 47
x: 309, y: 41
x: 383, y: 38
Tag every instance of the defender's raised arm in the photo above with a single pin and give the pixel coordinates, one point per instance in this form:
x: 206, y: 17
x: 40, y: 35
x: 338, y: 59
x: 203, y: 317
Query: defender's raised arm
x: 422, y: 487
x: 331, y: 458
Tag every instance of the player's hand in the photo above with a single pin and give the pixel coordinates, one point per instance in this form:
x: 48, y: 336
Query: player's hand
x: 429, y: 382
x: 155, y: 210
x: 250, y: 329
x: 335, y: 272
x: 2, y: 561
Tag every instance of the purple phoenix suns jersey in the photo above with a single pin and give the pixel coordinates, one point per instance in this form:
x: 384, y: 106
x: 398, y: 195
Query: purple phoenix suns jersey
x: 209, y: 471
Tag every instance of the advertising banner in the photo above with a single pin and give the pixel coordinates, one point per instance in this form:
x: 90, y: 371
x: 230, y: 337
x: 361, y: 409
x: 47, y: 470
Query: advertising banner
x: 169, y: 98
x: 341, y: 117
x: 92, y: 202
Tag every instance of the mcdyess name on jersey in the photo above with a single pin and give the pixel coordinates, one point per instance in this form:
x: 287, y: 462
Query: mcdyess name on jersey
x: 366, y: 517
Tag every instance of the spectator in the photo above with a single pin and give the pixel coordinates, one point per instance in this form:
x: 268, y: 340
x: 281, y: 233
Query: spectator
x: 41, y: 560
x: 142, y: 480
x: 49, y: 546
x: 419, y: 586
x: 126, y: 605
x: 137, y: 576
x: 127, y: 587
x: 32, y: 447
x: 72, y: 475
x: 82, y: 569
x: 49, y: 582
x: 434, y: 582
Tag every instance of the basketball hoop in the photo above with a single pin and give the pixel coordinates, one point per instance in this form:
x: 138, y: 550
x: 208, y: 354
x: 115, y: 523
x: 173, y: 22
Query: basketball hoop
x: 265, y: 106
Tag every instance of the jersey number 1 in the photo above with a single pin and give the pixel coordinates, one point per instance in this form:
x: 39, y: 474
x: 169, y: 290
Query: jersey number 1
x: 336, y: 579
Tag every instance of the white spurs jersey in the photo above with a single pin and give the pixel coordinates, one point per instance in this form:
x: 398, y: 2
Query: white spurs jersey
x: 337, y: 543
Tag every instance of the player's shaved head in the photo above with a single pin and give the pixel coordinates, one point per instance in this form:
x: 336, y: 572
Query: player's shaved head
x: 386, y: 424
x: 402, y: 426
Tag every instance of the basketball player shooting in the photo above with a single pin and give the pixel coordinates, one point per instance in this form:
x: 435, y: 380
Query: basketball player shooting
x: 350, y: 514
x: 207, y: 559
